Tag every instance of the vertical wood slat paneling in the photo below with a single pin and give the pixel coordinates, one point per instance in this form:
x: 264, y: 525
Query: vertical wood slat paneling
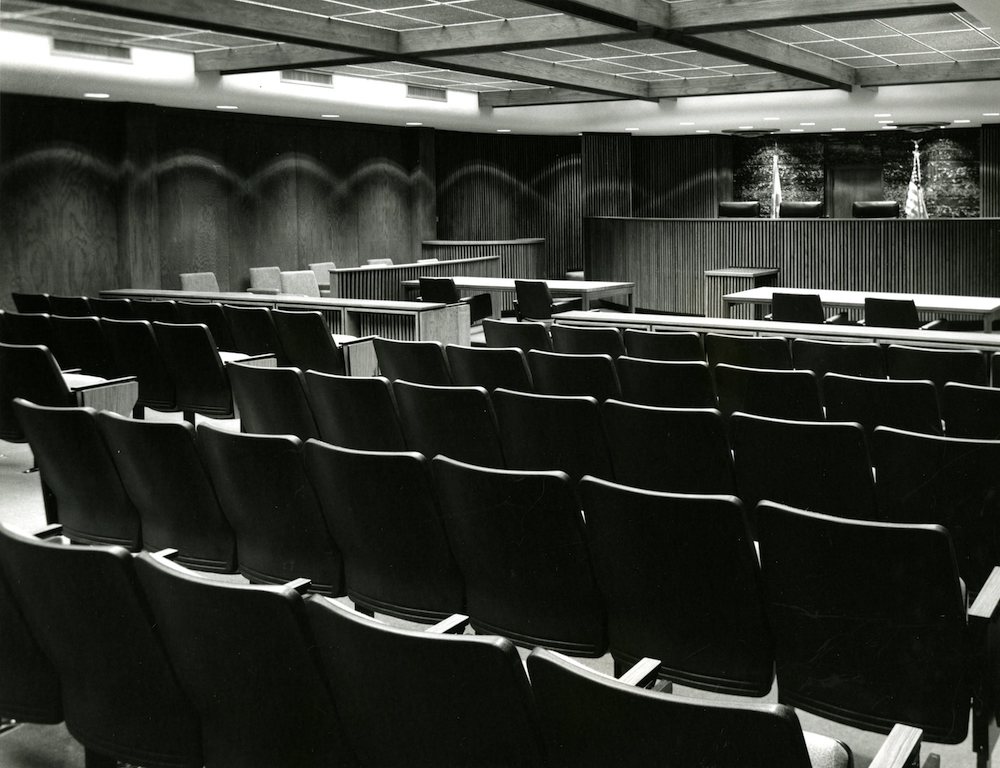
x: 680, y: 176
x: 667, y: 258
x: 989, y: 170
x: 607, y: 174
x: 383, y: 283
x: 518, y: 258
x: 510, y: 187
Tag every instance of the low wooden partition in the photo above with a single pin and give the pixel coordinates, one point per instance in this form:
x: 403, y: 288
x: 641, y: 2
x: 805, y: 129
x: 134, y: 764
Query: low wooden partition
x: 406, y: 320
x: 987, y: 342
x: 522, y: 258
x: 384, y: 283
x: 667, y: 258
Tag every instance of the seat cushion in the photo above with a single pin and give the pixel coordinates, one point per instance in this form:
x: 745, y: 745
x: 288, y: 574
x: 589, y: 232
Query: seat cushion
x: 825, y: 752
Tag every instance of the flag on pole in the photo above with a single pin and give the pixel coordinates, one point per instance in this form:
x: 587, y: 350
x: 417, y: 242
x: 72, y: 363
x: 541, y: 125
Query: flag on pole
x: 915, y: 207
x: 775, y: 187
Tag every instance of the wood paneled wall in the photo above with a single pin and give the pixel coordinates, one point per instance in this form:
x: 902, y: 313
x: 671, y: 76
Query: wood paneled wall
x: 508, y: 187
x: 668, y: 257
x: 989, y: 169
x: 607, y: 174
x: 682, y: 176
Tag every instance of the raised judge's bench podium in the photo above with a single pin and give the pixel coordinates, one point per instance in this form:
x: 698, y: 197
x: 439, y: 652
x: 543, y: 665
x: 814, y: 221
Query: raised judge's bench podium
x: 720, y: 282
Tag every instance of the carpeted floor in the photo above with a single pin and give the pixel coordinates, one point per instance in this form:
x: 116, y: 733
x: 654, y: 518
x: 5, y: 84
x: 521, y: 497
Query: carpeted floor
x: 35, y: 746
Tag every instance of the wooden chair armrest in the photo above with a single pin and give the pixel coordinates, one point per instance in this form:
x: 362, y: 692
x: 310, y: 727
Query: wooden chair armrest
x: 935, y: 325
x: 359, y: 340
x: 453, y: 625
x: 299, y: 585
x: 988, y: 600
x: 901, y: 748
x: 49, y: 531
x: 169, y: 553
x: 642, y: 674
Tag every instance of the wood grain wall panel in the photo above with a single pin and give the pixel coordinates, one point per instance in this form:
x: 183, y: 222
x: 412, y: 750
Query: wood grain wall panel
x: 138, y: 208
x: 509, y: 187
x: 60, y: 176
x: 667, y: 258
x: 518, y: 258
x: 680, y: 176
x: 607, y: 174
x: 989, y: 170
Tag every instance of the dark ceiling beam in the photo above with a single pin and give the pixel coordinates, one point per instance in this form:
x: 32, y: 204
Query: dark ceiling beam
x: 719, y: 86
x: 750, y: 48
x: 530, y: 97
x: 265, y: 22
x: 525, y: 70
x: 915, y: 74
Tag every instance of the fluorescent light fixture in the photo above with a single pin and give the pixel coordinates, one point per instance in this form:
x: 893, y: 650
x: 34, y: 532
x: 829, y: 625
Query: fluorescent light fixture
x: 745, y: 127
x: 796, y: 130
x: 330, y: 116
x: 702, y: 130
x: 890, y: 127
x: 885, y: 122
x: 414, y: 123
x: 807, y: 123
x: 772, y: 118
x: 97, y: 95
x: 838, y: 129
x: 991, y: 114
x: 961, y: 121
x: 226, y: 106
x: 503, y: 130
x: 884, y: 114
x: 687, y: 123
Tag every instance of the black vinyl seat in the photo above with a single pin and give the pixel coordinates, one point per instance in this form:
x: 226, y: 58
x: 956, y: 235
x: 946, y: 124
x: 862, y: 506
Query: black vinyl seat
x: 910, y: 405
x: 442, y: 290
x: 306, y: 342
x: 212, y: 316
x: 664, y: 345
x: 581, y: 340
x: 355, y: 411
x: 682, y: 450
x: 690, y: 595
x: 253, y: 331
x: 544, y: 432
x: 265, y: 493
x: 155, y: 310
x: 897, y: 313
x: 25, y: 329
x: 785, y: 394
x: 135, y: 351
x: 523, y: 335
x: 667, y: 383
x: 31, y: 303
x: 519, y: 542
x: 120, y: 697
x: 272, y: 401
x: 458, y: 422
x: 823, y: 466
x: 748, y: 351
x: 160, y: 468
x: 962, y: 366
x: 488, y: 367
x: 381, y: 509
x: 534, y: 301
x: 850, y: 358
x: 79, y: 344
x: 197, y: 370
x: 971, y: 411
x: 422, y: 362
x: 590, y: 720
x: 243, y: 655
x: 554, y: 373
x: 112, y: 309
x: 949, y: 481
x: 76, y: 466
x: 801, y: 308
x: 422, y: 698
x: 839, y: 591
x: 69, y: 306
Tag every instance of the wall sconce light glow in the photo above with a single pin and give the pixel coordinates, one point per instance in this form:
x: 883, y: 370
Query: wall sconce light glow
x: 97, y: 95
x: 226, y: 106
x: 330, y: 116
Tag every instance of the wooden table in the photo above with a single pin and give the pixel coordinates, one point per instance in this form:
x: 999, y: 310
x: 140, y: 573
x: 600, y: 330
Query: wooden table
x: 586, y: 290
x: 984, y: 307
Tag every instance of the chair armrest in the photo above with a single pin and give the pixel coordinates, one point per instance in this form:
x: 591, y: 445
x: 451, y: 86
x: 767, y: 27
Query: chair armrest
x: 268, y: 291
x: 935, y: 325
x: 984, y: 631
x: 453, y: 625
x: 642, y: 674
x: 299, y: 585
x: 105, y: 383
x: 841, y: 318
x: 49, y: 531
x: 480, y: 306
x: 900, y: 749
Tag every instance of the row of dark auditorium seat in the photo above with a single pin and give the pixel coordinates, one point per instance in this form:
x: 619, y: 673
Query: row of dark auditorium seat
x: 153, y: 665
x: 671, y: 573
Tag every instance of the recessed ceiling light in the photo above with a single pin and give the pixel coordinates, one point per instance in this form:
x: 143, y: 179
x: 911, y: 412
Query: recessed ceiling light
x: 890, y: 127
x: 332, y: 116
x: 414, y: 123
x: 884, y: 114
x: 631, y: 129
x: 796, y: 130
x: 503, y: 130
x: 745, y: 127
x: 961, y: 121
x: 991, y: 114
x: 97, y: 95
x: 687, y: 123
x: 807, y: 123
x: 885, y: 122
x: 838, y: 129
x: 772, y: 118
x: 226, y: 106
x: 702, y: 130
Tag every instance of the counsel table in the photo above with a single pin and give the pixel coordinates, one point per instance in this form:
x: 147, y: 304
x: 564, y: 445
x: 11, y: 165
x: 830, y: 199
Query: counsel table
x: 984, y: 307
x: 586, y: 290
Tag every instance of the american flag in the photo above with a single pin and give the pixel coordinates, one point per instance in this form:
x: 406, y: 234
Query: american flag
x: 915, y: 207
x: 775, y: 188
